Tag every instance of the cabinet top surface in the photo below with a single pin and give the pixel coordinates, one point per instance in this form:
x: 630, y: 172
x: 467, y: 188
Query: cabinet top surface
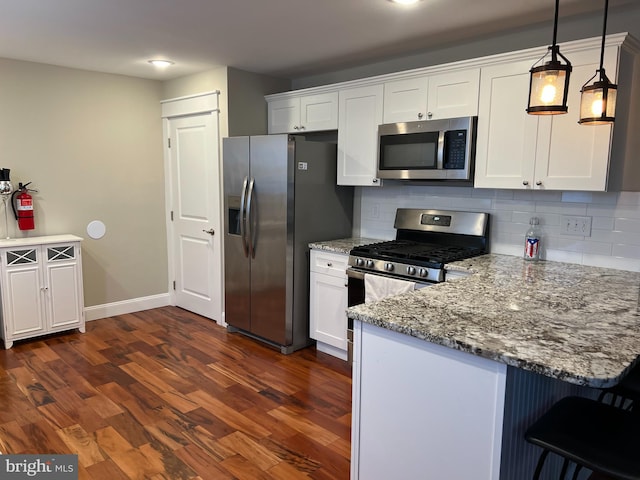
x: 30, y: 241
x: 576, y: 323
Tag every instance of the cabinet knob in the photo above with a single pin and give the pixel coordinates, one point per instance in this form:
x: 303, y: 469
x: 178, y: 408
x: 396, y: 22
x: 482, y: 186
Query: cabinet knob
x: 302, y: 127
x: 525, y: 182
x: 296, y: 127
x: 429, y: 114
x: 420, y: 115
x: 329, y: 264
x: 375, y: 180
x: 539, y: 182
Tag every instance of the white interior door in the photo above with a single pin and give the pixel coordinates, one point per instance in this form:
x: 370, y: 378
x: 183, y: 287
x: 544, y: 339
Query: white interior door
x: 196, y: 226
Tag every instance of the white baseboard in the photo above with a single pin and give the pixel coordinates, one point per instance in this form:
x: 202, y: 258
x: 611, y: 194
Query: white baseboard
x: 126, y: 306
x: 331, y: 350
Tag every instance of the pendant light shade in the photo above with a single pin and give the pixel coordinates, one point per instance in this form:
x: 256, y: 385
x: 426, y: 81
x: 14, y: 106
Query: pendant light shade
x: 549, y: 82
x: 598, y: 100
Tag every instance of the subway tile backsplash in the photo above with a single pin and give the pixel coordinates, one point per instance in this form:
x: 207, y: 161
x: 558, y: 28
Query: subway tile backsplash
x: 615, y: 219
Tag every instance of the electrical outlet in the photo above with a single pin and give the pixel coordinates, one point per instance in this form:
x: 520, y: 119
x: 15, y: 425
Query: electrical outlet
x: 580, y: 226
x: 375, y: 211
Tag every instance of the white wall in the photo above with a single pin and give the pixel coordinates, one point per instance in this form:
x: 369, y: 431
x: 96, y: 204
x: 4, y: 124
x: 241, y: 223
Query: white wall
x: 615, y: 235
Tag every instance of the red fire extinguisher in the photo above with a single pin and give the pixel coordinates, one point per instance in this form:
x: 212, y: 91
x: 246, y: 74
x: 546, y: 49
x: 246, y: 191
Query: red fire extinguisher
x: 22, y: 204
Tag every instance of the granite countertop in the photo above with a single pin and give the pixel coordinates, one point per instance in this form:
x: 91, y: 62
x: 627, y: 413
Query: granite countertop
x: 342, y: 245
x: 576, y: 323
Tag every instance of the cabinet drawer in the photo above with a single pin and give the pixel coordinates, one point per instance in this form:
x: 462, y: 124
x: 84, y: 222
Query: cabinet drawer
x: 329, y: 263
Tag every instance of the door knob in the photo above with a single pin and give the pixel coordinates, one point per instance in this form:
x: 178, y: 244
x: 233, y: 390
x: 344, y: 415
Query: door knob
x: 210, y: 231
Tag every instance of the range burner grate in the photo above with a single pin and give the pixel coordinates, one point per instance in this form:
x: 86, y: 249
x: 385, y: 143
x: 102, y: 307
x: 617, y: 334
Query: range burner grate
x: 416, y: 251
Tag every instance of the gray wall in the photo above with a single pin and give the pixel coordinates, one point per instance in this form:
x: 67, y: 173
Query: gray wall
x: 91, y: 143
x: 622, y: 19
x: 243, y: 109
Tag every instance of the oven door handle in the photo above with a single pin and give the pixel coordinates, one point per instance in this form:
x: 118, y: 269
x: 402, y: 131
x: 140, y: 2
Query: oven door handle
x: 351, y: 273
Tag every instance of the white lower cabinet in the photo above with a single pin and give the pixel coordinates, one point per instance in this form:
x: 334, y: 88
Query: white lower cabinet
x: 41, y: 287
x: 423, y: 411
x: 328, y: 302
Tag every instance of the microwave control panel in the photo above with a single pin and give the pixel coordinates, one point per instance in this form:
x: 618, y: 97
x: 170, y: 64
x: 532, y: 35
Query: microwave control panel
x: 455, y: 148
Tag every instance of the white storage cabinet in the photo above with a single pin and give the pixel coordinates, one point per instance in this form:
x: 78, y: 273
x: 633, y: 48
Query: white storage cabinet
x: 307, y: 113
x: 432, y: 97
x: 41, y: 287
x: 328, y: 302
x: 359, y: 114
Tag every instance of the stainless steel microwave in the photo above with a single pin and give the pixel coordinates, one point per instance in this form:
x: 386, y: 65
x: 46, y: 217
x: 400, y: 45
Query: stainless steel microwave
x: 428, y: 150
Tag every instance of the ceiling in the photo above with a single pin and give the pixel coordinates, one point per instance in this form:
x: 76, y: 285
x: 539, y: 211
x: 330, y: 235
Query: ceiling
x: 284, y: 38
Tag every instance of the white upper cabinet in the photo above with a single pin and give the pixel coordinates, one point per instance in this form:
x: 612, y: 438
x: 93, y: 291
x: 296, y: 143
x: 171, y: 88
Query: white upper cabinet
x: 432, y: 97
x: 304, y: 114
x: 359, y: 114
x: 517, y: 150
x: 514, y: 150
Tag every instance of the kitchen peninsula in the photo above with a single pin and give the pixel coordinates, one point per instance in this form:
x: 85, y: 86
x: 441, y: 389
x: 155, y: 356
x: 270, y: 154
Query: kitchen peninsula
x: 446, y: 378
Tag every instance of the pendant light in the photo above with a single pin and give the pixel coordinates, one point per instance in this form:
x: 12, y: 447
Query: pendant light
x: 549, y: 82
x: 598, y: 101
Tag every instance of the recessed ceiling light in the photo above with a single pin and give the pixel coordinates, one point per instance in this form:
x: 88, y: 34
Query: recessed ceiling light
x: 161, y: 63
x: 404, y: 2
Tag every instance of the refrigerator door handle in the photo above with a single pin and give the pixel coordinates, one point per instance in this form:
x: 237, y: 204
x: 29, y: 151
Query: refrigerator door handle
x: 243, y: 218
x: 250, y: 233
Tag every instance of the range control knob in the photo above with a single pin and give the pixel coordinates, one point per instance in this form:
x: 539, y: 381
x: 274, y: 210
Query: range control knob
x: 411, y: 270
x: 388, y: 267
x: 359, y: 262
x: 423, y: 272
x: 370, y: 263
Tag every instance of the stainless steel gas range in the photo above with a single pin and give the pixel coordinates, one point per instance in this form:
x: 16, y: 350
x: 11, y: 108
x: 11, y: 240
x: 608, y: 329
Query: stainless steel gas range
x: 426, y: 240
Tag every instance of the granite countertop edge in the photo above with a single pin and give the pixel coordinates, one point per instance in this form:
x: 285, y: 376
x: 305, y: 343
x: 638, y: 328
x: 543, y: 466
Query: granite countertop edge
x: 342, y: 245
x: 583, y: 326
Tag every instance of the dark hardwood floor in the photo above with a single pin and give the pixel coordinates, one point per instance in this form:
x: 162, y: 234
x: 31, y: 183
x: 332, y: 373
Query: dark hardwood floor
x: 166, y: 394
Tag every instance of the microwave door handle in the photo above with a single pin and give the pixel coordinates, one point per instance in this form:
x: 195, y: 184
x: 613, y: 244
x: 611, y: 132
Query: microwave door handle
x: 243, y: 218
x: 440, y: 158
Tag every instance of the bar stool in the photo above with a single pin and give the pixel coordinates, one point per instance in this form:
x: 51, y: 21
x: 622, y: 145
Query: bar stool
x: 626, y: 393
x: 593, y: 435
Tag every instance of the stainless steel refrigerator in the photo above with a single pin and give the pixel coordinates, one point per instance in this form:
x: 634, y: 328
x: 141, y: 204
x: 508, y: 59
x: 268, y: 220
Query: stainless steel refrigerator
x: 280, y: 194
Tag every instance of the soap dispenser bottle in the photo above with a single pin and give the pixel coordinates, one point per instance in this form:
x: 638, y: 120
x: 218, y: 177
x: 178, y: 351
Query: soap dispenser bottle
x: 532, y: 240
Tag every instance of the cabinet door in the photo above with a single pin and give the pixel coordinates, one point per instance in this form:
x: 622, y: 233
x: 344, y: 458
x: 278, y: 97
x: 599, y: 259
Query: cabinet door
x: 453, y: 94
x: 573, y: 156
x: 359, y: 114
x: 64, y: 287
x: 507, y: 135
x: 405, y: 100
x: 319, y: 112
x: 22, y: 291
x: 327, y: 314
x: 284, y: 115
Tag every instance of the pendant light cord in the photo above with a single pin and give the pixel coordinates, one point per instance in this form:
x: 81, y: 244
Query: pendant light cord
x: 555, y: 23
x: 604, y: 33
x: 554, y: 46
